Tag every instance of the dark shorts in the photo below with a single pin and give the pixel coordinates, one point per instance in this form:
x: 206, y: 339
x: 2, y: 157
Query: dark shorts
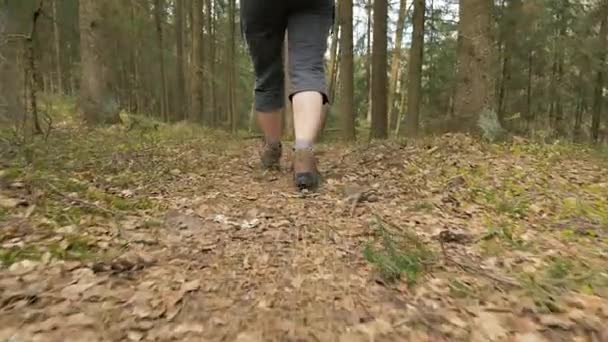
x: 308, y: 24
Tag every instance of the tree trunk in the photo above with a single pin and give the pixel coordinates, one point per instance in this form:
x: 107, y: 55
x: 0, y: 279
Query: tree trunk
x: 333, y: 57
x: 598, y: 96
x: 180, y: 77
x: 57, y: 43
x: 379, y: 69
x: 211, y: 86
x: 368, y: 66
x: 158, y: 19
x: 396, y: 63
x: 232, y: 114
x: 196, y: 89
x: 415, y: 70
x: 347, y: 107
x: 95, y: 95
x: 475, y: 90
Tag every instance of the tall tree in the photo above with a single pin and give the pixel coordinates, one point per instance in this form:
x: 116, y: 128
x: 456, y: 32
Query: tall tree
x: 598, y: 97
x: 415, y: 70
x: 347, y: 107
x: 396, y: 62
x: 96, y: 102
x: 379, y: 126
x: 57, y: 43
x: 180, y: 73
x: 234, y: 120
x: 475, y: 91
x: 158, y: 19
x: 196, y: 88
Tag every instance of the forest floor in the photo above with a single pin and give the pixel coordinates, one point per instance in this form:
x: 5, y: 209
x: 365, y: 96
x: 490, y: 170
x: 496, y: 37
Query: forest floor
x: 177, y: 234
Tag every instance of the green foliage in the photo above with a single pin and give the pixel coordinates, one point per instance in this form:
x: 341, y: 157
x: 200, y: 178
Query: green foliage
x: 397, y: 255
x: 9, y: 256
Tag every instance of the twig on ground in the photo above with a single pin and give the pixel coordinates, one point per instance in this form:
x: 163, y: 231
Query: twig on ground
x: 81, y: 201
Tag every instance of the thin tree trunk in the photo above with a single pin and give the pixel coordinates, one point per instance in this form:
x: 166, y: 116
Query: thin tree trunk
x: 529, y: 89
x: 396, y: 63
x: 211, y: 51
x: 57, y: 41
x: 368, y: 67
x: 333, y: 57
x: 347, y: 107
x: 158, y: 18
x: 598, y: 96
x: 197, y: 68
x: 379, y: 124
x: 415, y: 70
x: 234, y: 119
x: 180, y: 77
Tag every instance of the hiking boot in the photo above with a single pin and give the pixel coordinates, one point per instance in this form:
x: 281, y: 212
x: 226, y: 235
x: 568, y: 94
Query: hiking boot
x: 306, y: 175
x: 271, y: 156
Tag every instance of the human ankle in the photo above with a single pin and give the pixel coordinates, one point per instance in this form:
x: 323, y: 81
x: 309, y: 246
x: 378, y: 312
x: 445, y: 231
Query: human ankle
x: 302, y: 144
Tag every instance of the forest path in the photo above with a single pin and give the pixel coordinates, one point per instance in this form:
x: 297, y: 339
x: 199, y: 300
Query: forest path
x: 231, y: 253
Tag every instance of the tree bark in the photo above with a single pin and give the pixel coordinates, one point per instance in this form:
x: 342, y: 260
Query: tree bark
x: 475, y: 90
x: 347, y: 107
x: 57, y: 43
x: 196, y: 89
x: 598, y: 96
x: 158, y: 19
x: 232, y: 114
x: 415, y: 71
x: 180, y: 77
x: 333, y: 56
x: 368, y: 66
x: 96, y: 102
x: 396, y: 63
x: 379, y: 70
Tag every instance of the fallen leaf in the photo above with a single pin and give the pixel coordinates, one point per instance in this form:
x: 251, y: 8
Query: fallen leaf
x: 8, y: 203
x: 553, y: 321
x: 529, y: 337
x: 133, y: 335
x: 488, y: 327
x: 73, y: 292
x: 186, y: 328
x: 191, y: 286
x: 249, y: 337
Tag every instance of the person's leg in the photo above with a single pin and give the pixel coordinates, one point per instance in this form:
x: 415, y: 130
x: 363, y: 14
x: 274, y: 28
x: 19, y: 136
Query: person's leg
x: 264, y: 35
x: 308, y: 29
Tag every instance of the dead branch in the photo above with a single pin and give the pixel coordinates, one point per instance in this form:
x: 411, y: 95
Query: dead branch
x: 81, y: 201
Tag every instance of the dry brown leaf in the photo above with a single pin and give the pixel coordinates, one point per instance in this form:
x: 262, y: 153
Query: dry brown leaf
x: 488, y: 327
x: 553, y: 321
x: 134, y: 335
x: 191, y: 286
x: 529, y: 337
x: 73, y: 292
x: 249, y: 337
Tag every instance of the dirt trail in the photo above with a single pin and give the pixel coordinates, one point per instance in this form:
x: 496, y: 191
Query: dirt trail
x: 237, y: 255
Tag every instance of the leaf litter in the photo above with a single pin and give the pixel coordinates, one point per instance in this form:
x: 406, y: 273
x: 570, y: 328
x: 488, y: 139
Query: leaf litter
x: 443, y: 239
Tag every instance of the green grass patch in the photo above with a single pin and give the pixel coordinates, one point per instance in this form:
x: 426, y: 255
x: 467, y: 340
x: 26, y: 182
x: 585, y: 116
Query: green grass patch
x: 9, y: 256
x: 397, y: 255
x: 73, y: 247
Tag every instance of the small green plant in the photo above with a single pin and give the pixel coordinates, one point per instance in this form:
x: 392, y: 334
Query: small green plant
x: 10, y: 256
x: 73, y: 247
x: 397, y: 255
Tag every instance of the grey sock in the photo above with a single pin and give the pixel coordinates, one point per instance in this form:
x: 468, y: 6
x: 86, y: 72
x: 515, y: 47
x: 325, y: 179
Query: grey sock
x: 302, y: 145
